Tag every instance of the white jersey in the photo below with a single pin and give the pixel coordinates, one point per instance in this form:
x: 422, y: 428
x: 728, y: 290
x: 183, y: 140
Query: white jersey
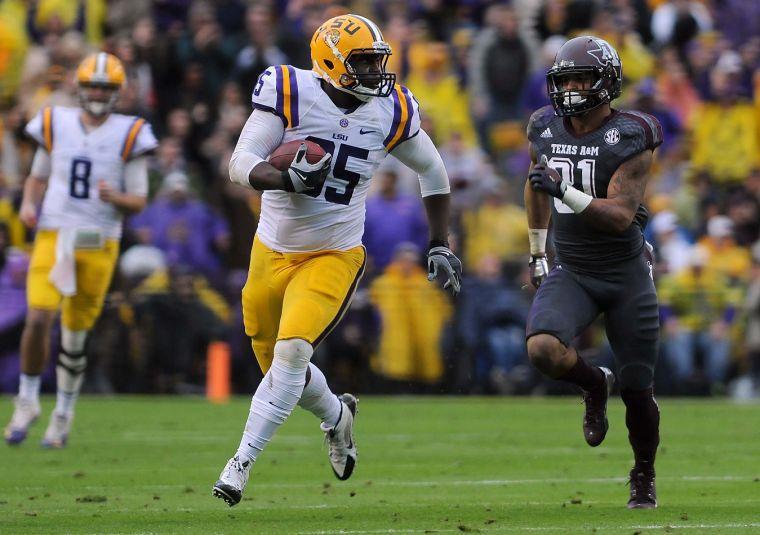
x: 333, y: 218
x: 80, y: 159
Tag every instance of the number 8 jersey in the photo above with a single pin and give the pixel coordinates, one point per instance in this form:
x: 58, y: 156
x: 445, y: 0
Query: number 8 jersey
x: 80, y: 159
x: 333, y: 218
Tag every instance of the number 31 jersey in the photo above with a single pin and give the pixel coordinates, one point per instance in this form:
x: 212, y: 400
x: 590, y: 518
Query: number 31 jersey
x: 80, y: 159
x: 332, y: 218
x: 588, y: 162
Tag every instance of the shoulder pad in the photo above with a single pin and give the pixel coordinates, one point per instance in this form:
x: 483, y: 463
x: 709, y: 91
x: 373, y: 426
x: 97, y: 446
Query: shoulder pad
x: 538, y: 122
x: 276, y: 91
x: 138, y: 140
x: 643, y: 127
x: 40, y: 128
x: 403, y: 116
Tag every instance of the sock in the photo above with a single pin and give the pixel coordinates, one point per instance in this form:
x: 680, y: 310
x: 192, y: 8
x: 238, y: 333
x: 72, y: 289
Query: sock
x: 584, y: 375
x: 318, y: 399
x: 69, y: 372
x: 29, y: 386
x: 642, y: 417
x: 277, y: 395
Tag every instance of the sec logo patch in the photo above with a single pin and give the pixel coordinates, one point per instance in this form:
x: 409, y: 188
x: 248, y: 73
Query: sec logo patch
x: 344, y: 123
x: 612, y: 136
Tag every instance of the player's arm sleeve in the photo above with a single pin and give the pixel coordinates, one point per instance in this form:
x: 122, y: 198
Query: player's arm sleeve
x: 261, y: 134
x: 41, y: 165
x: 405, y: 117
x: 40, y: 128
x: 420, y: 155
x: 139, y: 140
x: 136, y: 176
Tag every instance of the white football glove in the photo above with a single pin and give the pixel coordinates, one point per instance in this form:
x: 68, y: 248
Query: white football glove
x: 305, y: 177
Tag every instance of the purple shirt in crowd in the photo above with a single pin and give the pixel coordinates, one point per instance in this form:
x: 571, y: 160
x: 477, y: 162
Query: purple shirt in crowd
x: 12, y: 314
x: 185, y: 232
x: 738, y: 20
x: 390, y: 222
x: 13, y: 290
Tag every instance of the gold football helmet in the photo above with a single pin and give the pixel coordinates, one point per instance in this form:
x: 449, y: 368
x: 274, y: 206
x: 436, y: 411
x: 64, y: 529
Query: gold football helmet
x: 349, y: 53
x: 100, y: 71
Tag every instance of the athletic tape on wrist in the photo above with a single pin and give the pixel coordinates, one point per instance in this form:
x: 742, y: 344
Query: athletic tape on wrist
x: 537, y: 238
x: 576, y: 200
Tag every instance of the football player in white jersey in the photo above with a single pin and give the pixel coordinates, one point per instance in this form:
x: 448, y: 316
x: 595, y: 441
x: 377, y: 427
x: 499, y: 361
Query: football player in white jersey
x: 307, y: 255
x: 89, y: 170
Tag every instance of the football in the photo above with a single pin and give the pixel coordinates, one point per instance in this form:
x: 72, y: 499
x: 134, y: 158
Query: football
x: 283, y: 155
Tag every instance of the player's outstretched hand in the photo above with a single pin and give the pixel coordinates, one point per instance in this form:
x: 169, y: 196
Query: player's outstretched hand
x: 28, y: 214
x: 304, y: 177
x: 539, y: 269
x: 544, y: 178
x: 441, y: 258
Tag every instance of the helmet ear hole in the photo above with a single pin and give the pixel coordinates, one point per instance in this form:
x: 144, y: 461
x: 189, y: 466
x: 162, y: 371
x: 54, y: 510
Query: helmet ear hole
x: 329, y: 64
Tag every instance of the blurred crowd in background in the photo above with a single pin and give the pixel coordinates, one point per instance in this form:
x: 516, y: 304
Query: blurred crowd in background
x: 477, y: 69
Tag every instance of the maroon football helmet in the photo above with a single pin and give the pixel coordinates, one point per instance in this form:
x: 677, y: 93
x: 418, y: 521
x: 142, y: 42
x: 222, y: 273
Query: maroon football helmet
x: 579, y: 57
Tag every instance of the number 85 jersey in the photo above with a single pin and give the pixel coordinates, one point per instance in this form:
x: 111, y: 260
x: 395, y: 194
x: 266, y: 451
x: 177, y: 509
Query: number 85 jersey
x: 332, y: 218
x: 79, y: 159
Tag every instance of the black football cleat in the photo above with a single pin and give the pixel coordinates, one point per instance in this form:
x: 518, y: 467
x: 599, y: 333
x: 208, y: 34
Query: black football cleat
x: 595, y: 422
x: 643, y: 491
x: 229, y: 494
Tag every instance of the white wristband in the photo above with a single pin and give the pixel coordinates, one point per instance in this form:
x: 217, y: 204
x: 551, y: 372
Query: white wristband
x: 537, y: 238
x: 576, y: 199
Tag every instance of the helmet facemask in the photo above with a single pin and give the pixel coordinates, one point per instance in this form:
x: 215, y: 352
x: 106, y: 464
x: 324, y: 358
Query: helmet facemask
x: 576, y: 101
x: 98, y: 108
x: 363, y: 81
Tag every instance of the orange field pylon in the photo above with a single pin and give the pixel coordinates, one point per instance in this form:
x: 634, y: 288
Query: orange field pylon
x: 218, y: 363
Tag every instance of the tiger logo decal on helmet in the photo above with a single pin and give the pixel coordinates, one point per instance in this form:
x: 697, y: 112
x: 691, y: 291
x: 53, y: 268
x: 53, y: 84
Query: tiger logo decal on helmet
x: 101, y: 70
x: 342, y: 39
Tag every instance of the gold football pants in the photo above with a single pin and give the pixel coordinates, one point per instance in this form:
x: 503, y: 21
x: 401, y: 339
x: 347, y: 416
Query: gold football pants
x: 94, y: 268
x: 297, y: 295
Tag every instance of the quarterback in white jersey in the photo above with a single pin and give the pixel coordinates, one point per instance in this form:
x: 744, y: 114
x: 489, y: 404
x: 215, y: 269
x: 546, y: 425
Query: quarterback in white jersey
x: 89, y: 170
x: 307, y: 255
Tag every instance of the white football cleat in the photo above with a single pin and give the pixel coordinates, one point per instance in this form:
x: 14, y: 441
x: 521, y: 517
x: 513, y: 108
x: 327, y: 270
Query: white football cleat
x: 340, y: 437
x: 57, y: 432
x: 232, y: 481
x: 24, y: 415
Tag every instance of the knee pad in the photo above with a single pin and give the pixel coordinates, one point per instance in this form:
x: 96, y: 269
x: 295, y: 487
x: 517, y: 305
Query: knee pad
x: 73, y: 342
x: 72, y: 357
x: 74, y: 363
x: 636, y: 376
x: 293, y: 352
x: 543, y: 350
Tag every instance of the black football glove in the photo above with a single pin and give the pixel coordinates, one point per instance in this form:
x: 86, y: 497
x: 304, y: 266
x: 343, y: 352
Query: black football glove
x: 441, y: 257
x: 544, y: 178
x: 305, y: 177
x: 539, y: 269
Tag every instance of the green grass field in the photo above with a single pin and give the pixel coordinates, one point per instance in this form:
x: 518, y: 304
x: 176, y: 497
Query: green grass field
x: 426, y: 465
